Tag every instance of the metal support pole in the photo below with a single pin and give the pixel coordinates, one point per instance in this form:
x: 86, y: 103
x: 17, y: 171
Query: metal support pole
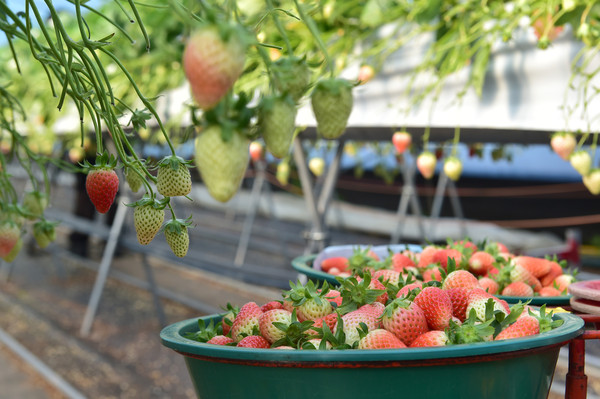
x: 438, y: 200
x: 576, y: 384
x: 408, y: 196
x: 104, y: 267
x: 456, y: 207
x: 154, y: 290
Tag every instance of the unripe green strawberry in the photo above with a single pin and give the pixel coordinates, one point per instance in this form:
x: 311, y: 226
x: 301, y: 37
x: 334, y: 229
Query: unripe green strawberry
x: 213, y: 60
x: 14, y: 251
x: 331, y: 102
x: 34, y: 204
x: 283, y: 172
x: 582, y: 162
x: 134, y: 180
x: 173, y: 178
x: 44, y: 233
x: 177, y: 237
x: 222, y: 164
x: 453, y: 168
x: 148, y: 217
x: 292, y: 76
x: 592, y: 181
x: 9, y: 235
x: 277, y: 121
x: 317, y: 166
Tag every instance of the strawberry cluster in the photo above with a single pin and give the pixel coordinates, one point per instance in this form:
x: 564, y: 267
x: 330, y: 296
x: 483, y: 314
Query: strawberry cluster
x: 377, y: 309
x: 496, y: 269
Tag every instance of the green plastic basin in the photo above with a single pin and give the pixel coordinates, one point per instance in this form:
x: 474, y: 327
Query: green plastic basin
x: 517, y: 368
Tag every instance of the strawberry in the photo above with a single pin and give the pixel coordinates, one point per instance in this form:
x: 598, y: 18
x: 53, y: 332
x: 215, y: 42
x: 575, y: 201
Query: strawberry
x: 427, y: 256
x: 432, y: 273
x: 375, y: 308
x: 245, y: 321
x: 520, y: 273
x: 436, y: 305
x: 173, y: 178
x: 426, y: 164
x: 477, y: 299
x: 489, y: 285
x: 34, y: 204
x: 277, y: 122
x: 213, y: 60
x: 365, y: 73
x: 44, y: 233
x: 430, y: 338
x: 592, y: 181
x: 406, y: 320
x: 453, y: 168
x: 404, y: 291
x: 266, y: 323
x: 442, y: 256
x: 401, y: 140
x: 330, y: 320
x: 549, y: 291
x: 292, y: 76
x: 331, y: 102
x: 458, y: 297
x: 352, y: 321
x: 282, y: 174
x: 562, y: 282
x: 222, y: 161
x: 133, y: 179
x: 102, y: 183
x: 334, y: 296
x: 582, y: 162
x: 460, y: 278
x: 380, y: 339
x: 518, y: 288
x: 9, y: 235
x: 523, y: 327
x: 317, y: 343
x: 563, y: 143
x: 480, y: 262
x: 256, y: 151
x: 316, y: 166
x: 401, y: 261
x: 148, y: 218
x: 227, y: 320
x: 14, y: 251
x: 309, y: 301
x: 220, y: 340
x: 466, y: 244
x: 538, y: 267
x: 176, y: 234
x: 254, y: 342
x: 271, y: 305
x: 340, y: 262
x: 555, y: 271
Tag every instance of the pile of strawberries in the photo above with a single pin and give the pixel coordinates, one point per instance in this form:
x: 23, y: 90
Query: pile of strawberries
x: 377, y: 309
x: 496, y: 269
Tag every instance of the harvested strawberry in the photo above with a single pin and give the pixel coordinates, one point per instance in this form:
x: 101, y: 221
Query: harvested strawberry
x: 402, y: 141
x: 432, y: 273
x: 555, y: 271
x: 340, y: 262
x: 148, y: 218
x: 330, y: 321
x: 430, y: 338
x: 270, y: 331
x: 173, y: 178
x: 562, y: 282
x: 444, y: 254
x: 277, y: 123
x: 563, y: 143
x: 406, y: 320
x: 459, y: 298
x: 309, y: 301
x: 520, y: 273
x: 480, y: 262
x: 401, y: 261
x: 536, y: 266
x: 351, y: 321
x: 518, y: 288
x: 375, y: 308
x: 405, y: 291
x: 213, y: 60
x: 387, y: 276
x: 549, y: 291
x: 380, y: 339
x: 426, y: 164
x: 427, y: 256
x: 436, y: 305
x: 334, y: 296
x: 271, y: 305
x: 220, y: 340
x: 489, y: 285
x: 460, y: 278
x: 176, y: 234
x: 245, y: 321
x: 254, y: 341
x: 331, y: 102
x: 222, y: 160
x: 102, y: 183
x: 317, y: 343
x: 477, y: 299
x: 523, y: 327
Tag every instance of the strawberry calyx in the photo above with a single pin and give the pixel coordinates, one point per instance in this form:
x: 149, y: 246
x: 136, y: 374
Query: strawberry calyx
x: 357, y: 293
x: 104, y: 161
x: 177, y: 226
x: 296, y: 333
x: 298, y: 293
x: 173, y: 161
x: 334, y: 86
x: 150, y: 200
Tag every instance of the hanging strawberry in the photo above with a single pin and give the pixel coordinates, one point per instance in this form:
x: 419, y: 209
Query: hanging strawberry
x: 44, y: 233
x: 277, y: 122
x: 453, y: 168
x: 148, y: 217
x: 426, y: 164
x: 332, y: 102
x: 292, y: 76
x: 563, y: 144
x: 9, y: 235
x: 173, y: 178
x: 176, y: 234
x: 34, y: 204
x: 102, y: 182
x: 401, y: 140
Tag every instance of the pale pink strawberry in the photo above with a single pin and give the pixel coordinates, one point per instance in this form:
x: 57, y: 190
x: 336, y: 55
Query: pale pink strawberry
x: 330, y: 320
x: 404, y: 291
x: 351, y: 322
x: 562, y: 282
x: 442, y: 256
x: 460, y: 278
x: 563, y: 143
x: 555, y: 271
x: 432, y: 273
x: 401, y: 140
x: 380, y: 339
x: 265, y: 324
x: 466, y: 244
x: 406, y: 320
x: 436, y: 305
x: 459, y: 298
x: 477, y: 300
x: 316, y: 343
x: 245, y: 321
x: 426, y: 164
x: 519, y: 273
x: 375, y: 308
x: 254, y: 341
x: 377, y: 285
x: 387, y: 275
x: 256, y: 151
x: 489, y: 285
x: 430, y: 338
x: 334, y: 296
x: 313, y: 309
x: 271, y: 305
x: 480, y: 262
x: 227, y: 321
x: 523, y: 327
x: 426, y: 257
x: 220, y: 340
x: 365, y: 73
x: 536, y: 266
x: 549, y: 291
x: 401, y: 261
x: 518, y: 288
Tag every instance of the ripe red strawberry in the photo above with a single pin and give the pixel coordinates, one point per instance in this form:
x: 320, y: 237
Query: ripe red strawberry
x: 176, y: 234
x: 277, y: 122
x: 292, y: 76
x: 14, y: 251
x: 148, y: 218
x: 222, y: 164
x: 213, y: 60
x: 549, y: 291
x: 427, y: 256
x: 254, y: 341
x: 173, y: 178
x: 426, y: 164
x: 44, y: 233
x: 592, y: 181
x: 102, y: 184
x: 331, y: 102
x: 523, y: 327
x: 519, y: 273
x: 432, y: 273
x: 453, y: 168
x: 489, y: 285
x: 352, y: 321
x: 270, y: 331
x: 334, y: 296
x: 330, y: 320
x: 377, y: 285
x: 518, y: 288
x: 34, y: 204
x: 430, y: 338
x: 404, y: 291
x: 480, y: 262
x: 582, y: 162
x: 9, y: 235
x: 133, y: 179
x: 442, y: 256
x: 536, y: 266
x: 555, y: 271
x: 245, y: 321
x: 406, y: 320
x: 401, y: 261
x: 459, y: 298
x: 380, y: 339
x: 563, y: 144
x: 271, y: 305
x: 436, y: 305
x: 401, y: 140
x: 220, y: 340
x: 255, y: 150
x: 460, y: 278
x: 387, y: 275
x: 339, y: 262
